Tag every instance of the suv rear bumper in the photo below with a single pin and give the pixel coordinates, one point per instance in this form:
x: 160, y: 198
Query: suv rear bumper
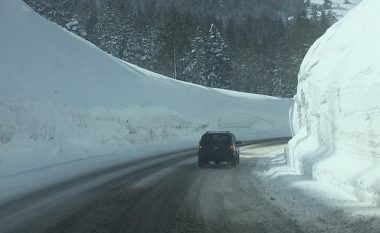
x: 216, y: 156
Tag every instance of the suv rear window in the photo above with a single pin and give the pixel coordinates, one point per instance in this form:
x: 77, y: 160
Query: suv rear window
x: 217, y: 139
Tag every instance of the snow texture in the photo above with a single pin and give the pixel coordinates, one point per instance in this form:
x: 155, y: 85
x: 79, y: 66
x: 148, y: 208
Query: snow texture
x: 315, y: 205
x: 336, y: 118
x: 67, y: 107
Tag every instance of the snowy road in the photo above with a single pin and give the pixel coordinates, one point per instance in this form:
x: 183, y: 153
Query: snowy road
x: 164, y: 194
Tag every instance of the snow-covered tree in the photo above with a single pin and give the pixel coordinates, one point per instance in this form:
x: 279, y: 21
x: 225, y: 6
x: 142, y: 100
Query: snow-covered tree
x: 219, y: 64
x: 327, y: 4
x: 140, y: 48
x: 59, y: 11
x: 75, y: 26
x: 195, y: 61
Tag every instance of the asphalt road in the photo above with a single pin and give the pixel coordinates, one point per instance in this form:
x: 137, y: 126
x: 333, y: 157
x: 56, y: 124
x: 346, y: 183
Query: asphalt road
x: 167, y: 193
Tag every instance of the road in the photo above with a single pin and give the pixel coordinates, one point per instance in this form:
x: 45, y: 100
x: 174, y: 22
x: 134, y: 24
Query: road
x: 165, y: 194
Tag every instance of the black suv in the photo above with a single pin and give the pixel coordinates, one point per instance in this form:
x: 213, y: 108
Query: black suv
x: 219, y: 146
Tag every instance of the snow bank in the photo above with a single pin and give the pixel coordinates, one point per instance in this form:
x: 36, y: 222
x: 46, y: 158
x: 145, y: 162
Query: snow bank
x: 336, y: 118
x: 62, y: 99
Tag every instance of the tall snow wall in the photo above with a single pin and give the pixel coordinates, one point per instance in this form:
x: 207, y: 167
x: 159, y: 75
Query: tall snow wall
x: 336, y: 118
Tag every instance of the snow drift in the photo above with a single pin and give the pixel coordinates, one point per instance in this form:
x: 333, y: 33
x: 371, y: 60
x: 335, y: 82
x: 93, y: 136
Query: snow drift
x: 336, y: 118
x: 62, y: 99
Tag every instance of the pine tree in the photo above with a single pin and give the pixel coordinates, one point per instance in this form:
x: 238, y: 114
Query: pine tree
x: 91, y: 23
x: 231, y: 33
x: 195, y: 61
x: 219, y: 64
x: 74, y: 26
x: 168, y: 42
x: 59, y: 11
x: 173, y: 43
x: 141, y: 47
x: 327, y: 4
x: 107, y: 30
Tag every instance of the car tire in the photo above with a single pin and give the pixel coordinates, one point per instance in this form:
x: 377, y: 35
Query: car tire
x: 200, y: 163
x: 234, y: 162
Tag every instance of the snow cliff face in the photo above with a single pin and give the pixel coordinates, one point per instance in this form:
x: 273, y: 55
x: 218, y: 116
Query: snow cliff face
x: 336, y: 118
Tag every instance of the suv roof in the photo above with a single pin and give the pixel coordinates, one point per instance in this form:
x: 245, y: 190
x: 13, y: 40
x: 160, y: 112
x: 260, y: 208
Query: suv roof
x: 218, y: 132
x: 207, y: 136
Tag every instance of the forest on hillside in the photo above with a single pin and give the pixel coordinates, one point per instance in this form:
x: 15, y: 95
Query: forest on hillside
x: 254, y: 46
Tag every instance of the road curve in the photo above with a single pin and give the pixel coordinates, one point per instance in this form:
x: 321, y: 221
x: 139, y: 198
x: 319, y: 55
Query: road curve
x: 165, y: 194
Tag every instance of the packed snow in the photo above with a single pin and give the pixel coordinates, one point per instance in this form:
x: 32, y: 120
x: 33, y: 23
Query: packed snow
x: 66, y: 107
x: 314, y: 204
x: 336, y: 118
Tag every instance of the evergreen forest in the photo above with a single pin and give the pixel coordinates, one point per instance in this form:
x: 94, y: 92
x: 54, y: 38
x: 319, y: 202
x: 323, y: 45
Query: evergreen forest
x: 254, y: 46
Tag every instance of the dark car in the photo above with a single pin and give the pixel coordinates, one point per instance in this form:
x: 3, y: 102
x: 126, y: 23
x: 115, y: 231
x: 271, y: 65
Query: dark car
x: 218, y: 146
